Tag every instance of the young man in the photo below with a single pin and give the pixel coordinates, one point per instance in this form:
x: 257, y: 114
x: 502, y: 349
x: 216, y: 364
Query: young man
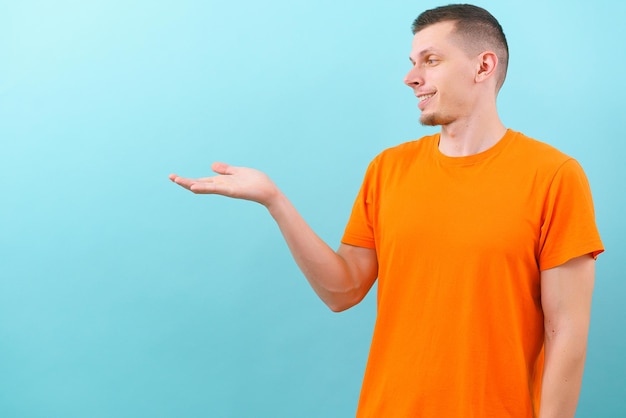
x: 483, y: 242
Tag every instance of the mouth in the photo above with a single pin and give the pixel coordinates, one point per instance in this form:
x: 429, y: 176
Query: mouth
x: 425, y: 97
x: 423, y: 100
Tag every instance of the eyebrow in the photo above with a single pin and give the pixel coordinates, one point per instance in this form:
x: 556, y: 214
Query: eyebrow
x: 429, y: 51
x: 425, y: 52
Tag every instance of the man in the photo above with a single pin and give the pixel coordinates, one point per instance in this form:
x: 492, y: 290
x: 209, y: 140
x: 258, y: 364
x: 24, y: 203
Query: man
x: 482, y: 239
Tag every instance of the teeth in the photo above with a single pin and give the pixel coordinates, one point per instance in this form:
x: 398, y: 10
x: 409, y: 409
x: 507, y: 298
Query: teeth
x: 426, y: 96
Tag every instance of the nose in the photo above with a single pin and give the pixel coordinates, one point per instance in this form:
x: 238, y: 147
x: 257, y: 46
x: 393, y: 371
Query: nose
x: 413, y: 78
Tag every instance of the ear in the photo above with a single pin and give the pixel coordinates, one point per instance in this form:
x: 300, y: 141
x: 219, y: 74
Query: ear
x: 487, y: 64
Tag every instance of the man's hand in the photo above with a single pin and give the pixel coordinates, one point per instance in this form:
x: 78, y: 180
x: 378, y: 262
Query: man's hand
x: 236, y: 182
x: 340, y: 279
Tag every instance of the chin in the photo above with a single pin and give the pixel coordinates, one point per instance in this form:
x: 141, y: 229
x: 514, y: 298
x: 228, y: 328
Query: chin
x: 429, y: 120
x: 434, y: 119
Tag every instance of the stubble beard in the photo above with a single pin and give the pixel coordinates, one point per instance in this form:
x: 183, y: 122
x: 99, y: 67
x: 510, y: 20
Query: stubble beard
x: 435, y: 119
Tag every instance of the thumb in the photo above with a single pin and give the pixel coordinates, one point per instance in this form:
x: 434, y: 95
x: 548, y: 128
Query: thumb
x: 222, y: 168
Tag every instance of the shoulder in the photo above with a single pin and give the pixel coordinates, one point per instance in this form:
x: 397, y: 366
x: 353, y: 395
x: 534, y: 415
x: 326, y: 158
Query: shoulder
x: 545, y: 164
x: 536, y: 152
x: 397, y: 161
x: 407, y: 151
x: 538, y: 160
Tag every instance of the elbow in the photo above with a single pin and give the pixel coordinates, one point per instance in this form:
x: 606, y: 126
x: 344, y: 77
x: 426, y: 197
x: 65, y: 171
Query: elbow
x: 337, y: 307
x: 341, y: 295
x: 342, y: 302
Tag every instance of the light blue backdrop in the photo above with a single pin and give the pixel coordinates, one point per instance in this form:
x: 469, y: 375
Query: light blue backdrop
x: 122, y: 295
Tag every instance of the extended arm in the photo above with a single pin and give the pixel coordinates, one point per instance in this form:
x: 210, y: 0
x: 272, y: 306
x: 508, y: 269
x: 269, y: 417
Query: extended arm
x: 341, y: 279
x: 566, y: 300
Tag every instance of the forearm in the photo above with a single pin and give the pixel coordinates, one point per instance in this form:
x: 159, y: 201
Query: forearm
x: 562, y: 374
x: 338, y: 283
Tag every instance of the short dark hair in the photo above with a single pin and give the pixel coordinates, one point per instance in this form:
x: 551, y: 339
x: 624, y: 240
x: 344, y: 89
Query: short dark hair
x: 476, y: 26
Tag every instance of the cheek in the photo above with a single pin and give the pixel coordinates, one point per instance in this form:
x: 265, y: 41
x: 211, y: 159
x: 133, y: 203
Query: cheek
x: 458, y: 87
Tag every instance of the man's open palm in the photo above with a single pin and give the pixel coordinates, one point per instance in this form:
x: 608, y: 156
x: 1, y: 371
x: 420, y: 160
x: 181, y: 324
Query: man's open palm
x: 236, y: 182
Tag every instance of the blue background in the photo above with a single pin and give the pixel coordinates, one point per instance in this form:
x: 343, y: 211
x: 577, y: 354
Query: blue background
x: 122, y: 295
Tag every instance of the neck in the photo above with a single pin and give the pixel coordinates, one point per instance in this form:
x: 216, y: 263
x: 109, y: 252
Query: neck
x: 470, y: 136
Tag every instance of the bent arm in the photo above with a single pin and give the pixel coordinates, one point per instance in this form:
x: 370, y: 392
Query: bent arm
x: 341, y: 279
x: 566, y: 293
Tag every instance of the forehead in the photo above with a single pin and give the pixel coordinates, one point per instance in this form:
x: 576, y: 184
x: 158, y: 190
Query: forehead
x: 436, y: 37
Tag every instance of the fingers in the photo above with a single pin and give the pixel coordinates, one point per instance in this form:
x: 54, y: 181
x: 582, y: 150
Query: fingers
x: 217, y: 167
x: 222, y: 168
x: 182, y: 181
x: 199, y: 186
x: 206, y: 185
x: 205, y: 188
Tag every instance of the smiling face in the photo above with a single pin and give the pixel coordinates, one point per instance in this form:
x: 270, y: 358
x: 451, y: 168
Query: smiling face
x: 443, y: 75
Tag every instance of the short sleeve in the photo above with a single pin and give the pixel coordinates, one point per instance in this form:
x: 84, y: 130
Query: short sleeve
x: 360, y: 229
x: 568, y: 227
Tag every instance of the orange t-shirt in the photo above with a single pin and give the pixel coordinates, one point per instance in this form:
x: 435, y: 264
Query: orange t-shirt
x: 460, y: 243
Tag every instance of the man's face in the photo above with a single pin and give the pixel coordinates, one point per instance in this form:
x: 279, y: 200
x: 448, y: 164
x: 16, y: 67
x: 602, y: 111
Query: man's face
x: 442, y: 75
